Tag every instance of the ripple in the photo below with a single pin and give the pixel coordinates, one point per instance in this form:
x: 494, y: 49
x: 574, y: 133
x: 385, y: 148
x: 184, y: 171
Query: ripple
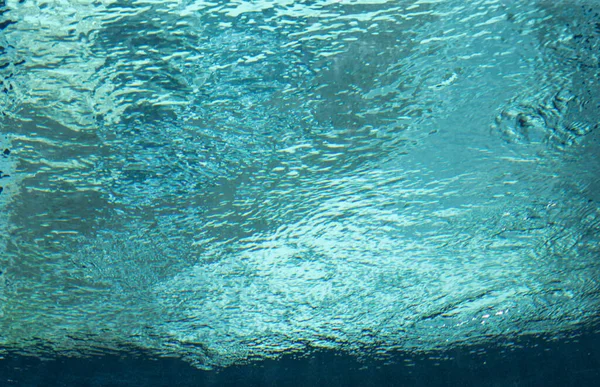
x: 232, y: 180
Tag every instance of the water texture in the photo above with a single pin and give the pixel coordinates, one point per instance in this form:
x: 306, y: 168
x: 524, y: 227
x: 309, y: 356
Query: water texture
x: 235, y: 180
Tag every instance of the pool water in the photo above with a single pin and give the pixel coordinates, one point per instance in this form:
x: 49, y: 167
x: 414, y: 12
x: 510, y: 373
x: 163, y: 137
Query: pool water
x: 228, y: 182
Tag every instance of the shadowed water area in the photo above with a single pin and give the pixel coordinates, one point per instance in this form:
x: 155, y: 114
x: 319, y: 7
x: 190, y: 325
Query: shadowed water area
x: 226, y: 181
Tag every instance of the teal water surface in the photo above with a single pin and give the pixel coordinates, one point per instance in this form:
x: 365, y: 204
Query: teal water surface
x: 234, y: 180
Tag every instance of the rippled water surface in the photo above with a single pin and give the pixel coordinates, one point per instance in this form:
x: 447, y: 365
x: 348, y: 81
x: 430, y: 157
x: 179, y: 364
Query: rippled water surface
x: 233, y: 180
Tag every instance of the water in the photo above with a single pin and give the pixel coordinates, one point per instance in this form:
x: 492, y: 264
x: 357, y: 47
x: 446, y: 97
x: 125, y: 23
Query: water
x: 239, y: 180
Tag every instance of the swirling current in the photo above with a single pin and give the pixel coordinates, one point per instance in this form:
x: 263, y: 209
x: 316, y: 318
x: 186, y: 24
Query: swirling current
x: 226, y: 181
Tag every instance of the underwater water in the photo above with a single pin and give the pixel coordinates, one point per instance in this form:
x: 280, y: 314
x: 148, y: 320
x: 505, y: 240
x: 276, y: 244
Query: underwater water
x: 228, y: 181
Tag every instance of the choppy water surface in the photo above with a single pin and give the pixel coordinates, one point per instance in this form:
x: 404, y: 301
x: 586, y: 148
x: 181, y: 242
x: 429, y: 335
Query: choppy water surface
x: 232, y: 180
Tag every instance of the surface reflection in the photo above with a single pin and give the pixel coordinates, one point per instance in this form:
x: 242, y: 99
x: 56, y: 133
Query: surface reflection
x: 237, y: 180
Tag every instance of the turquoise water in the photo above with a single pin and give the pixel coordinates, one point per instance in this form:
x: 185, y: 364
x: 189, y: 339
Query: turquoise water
x: 226, y: 181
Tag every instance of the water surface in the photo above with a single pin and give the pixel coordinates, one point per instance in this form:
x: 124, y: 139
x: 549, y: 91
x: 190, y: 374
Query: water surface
x: 234, y: 180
